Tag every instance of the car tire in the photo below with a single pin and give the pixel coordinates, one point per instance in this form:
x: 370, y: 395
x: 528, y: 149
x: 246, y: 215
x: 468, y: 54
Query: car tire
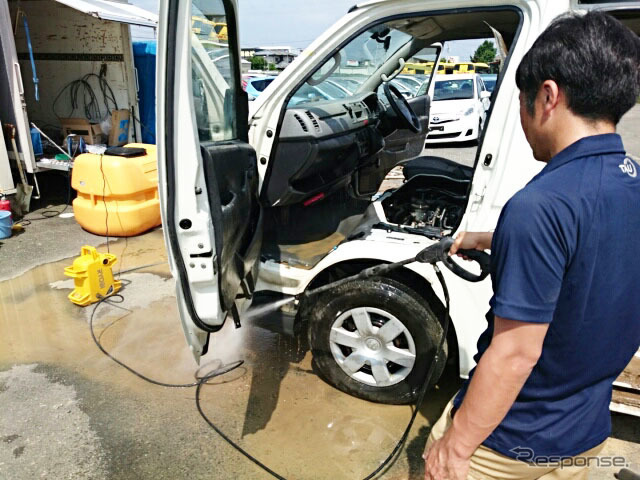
x: 476, y: 141
x: 360, y: 362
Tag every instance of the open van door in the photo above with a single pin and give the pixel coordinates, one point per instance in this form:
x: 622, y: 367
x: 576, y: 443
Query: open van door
x: 12, y: 77
x: 208, y: 171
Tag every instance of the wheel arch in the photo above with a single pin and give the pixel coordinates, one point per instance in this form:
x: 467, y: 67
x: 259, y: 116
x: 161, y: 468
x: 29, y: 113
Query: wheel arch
x: 408, y: 277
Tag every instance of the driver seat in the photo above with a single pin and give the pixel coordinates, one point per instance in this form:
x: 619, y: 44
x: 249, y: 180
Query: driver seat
x: 429, y: 165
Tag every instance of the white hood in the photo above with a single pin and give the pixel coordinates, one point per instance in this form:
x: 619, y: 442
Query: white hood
x: 451, y: 107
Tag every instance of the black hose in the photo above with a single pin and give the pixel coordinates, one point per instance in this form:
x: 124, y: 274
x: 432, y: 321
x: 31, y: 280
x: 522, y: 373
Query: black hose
x: 81, y: 88
x: 231, y: 442
x: 200, y: 381
x: 427, y: 379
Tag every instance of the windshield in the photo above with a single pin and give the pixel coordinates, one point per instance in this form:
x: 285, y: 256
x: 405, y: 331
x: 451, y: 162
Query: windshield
x: 334, y: 90
x: 490, y: 84
x: 261, y: 84
x: 489, y: 81
x: 351, y: 84
x: 453, y: 89
x: 343, y: 74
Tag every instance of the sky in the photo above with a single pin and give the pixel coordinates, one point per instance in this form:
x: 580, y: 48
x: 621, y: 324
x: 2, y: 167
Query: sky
x: 294, y: 23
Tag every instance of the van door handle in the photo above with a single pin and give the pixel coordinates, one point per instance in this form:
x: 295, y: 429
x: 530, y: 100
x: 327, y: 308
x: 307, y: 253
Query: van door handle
x: 16, y: 67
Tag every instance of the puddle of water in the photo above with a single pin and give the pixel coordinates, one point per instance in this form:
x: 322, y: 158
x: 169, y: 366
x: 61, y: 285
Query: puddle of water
x: 39, y: 324
x: 274, y: 405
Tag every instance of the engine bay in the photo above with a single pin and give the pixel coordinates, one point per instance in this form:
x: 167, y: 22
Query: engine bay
x: 427, y: 204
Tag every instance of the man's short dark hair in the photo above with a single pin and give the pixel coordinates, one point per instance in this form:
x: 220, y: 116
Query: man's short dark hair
x: 594, y: 59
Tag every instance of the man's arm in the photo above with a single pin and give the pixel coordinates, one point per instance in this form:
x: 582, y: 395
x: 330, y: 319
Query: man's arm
x: 502, y: 371
x: 472, y: 241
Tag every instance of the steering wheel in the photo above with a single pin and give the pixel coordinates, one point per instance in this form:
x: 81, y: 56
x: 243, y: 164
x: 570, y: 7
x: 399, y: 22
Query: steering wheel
x: 402, y: 109
x: 439, y: 252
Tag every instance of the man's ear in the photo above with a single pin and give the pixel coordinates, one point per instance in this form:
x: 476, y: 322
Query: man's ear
x: 548, y: 97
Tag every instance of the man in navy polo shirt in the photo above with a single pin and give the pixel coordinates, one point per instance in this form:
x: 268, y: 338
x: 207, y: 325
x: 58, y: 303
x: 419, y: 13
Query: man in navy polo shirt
x: 565, y: 315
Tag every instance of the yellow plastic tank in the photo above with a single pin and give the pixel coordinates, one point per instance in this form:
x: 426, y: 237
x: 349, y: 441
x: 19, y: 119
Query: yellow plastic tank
x: 117, y: 196
x: 92, y: 276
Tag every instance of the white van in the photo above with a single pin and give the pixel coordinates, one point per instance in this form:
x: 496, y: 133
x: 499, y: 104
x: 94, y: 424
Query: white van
x: 286, y: 203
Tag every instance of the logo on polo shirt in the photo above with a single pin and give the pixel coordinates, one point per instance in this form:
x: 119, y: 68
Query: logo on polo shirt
x: 628, y: 167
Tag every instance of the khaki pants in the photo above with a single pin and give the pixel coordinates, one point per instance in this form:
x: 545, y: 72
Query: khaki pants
x: 487, y: 464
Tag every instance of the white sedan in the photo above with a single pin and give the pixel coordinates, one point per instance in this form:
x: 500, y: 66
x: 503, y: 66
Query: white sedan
x: 459, y: 105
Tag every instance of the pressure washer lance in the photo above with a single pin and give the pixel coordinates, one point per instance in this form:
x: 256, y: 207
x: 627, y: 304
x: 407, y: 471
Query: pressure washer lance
x: 438, y: 252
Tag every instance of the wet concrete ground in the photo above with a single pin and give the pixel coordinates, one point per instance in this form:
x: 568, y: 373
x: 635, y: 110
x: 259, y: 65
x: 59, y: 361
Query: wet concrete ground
x: 67, y: 411
x: 70, y: 412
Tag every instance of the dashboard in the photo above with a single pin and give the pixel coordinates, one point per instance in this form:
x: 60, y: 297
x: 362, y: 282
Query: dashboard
x: 320, y: 145
x: 319, y: 118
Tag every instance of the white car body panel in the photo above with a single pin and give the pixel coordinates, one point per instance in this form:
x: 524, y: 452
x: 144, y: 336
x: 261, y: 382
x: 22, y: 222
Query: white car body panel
x: 467, y: 299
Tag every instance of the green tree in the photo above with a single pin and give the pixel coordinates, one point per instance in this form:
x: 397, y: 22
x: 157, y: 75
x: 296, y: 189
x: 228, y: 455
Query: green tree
x: 485, y: 53
x: 258, y: 63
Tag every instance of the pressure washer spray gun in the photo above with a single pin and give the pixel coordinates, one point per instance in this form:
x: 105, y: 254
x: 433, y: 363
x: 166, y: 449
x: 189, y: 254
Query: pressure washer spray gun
x: 438, y: 252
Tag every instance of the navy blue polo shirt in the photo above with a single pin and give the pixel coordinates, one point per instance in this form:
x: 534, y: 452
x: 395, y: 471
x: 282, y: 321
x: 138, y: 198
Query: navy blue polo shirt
x: 565, y: 252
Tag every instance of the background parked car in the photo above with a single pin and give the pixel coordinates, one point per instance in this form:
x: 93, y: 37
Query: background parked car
x: 489, y: 80
x: 328, y: 90
x: 459, y: 105
x: 412, y: 82
x: 256, y: 85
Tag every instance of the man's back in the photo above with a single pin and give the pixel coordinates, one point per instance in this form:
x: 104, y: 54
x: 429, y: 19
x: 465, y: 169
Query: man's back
x: 576, y: 276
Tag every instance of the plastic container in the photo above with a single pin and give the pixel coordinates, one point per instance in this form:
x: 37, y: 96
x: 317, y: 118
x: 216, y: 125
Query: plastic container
x: 5, y: 224
x: 36, y: 141
x: 125, y: 201
x: 5, y: 204
x: 92, y: 276
x: 144, y: 58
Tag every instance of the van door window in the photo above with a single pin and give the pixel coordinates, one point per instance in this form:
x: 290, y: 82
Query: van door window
x: 212, y: 64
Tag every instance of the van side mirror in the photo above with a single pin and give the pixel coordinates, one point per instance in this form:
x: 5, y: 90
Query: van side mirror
x: 485, y: 94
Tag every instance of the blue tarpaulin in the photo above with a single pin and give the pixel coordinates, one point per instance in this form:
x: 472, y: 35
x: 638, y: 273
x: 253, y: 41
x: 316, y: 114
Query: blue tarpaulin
x: 144, y: 58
